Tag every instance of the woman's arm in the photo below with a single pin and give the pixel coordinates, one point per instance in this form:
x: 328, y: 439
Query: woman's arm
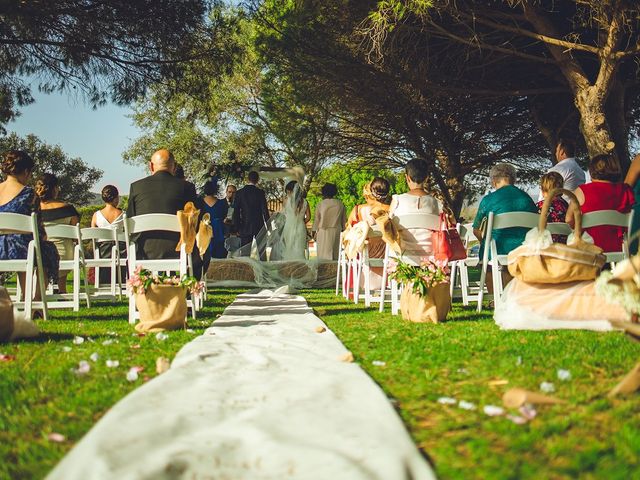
x: 307, y: 214
x: 634, y: 172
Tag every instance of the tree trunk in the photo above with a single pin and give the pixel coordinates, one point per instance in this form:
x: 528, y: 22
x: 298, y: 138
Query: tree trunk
x: 618, y: 124
x: 593, y: 122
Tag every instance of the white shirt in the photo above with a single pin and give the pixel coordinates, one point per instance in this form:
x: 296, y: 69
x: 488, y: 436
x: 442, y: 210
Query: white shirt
x: 573, y: 175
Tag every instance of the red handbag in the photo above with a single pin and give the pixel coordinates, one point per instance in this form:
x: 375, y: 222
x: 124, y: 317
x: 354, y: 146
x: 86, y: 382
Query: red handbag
x: 447, y: 244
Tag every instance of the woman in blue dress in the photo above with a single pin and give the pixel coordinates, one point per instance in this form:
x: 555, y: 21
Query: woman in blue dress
x: 217, y: 209
x: 17, y: 197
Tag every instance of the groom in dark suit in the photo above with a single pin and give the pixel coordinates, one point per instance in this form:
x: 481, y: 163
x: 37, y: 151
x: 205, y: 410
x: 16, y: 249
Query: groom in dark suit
x: 161, y: 192
x: 250, y: 213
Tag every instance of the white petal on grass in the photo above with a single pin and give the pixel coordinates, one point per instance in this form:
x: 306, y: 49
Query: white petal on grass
x: 78, y: 340
x: 108, y: 341
x: 564, y: 375
x: 83, y: 368
x: 463, y: 404
x: 94, y: 357
x: 56, y: 437
x: 493, y: 410
x: 517, y: 419
x: 66, y: 349
x: 112, y: 363
x: 447, y: 401
x: 378, y: 363
x: 132, y: 374
x: 161, y: 336
x: 547, y: 387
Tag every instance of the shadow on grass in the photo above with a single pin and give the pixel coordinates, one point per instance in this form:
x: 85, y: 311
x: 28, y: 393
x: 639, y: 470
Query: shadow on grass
x: 45, y: 337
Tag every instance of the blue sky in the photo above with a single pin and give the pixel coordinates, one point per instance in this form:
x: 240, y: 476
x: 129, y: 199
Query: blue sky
x: 97, y: 136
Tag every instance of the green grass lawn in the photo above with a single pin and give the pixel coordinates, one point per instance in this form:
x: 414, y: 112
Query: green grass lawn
x: 589, y: 437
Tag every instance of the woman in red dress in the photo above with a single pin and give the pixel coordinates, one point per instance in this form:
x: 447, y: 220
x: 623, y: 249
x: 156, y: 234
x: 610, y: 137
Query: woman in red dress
x: 605, y: 192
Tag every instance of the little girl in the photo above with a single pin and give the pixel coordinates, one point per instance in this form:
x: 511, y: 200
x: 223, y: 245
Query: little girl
x: 558, y: 208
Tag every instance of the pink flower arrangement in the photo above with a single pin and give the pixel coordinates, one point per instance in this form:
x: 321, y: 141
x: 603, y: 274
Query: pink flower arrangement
x: 142, y: 279
x: 421, y: 277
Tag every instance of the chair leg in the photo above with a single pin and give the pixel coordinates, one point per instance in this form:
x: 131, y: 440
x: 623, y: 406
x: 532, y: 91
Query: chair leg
x: 356, y: 281
x: 132, y: 309
x: 452, y: 281
x: 366, y: 271
x: 383, y: 287
x: 394, y: 298
x: 464, y: 283
x: 483, y: 278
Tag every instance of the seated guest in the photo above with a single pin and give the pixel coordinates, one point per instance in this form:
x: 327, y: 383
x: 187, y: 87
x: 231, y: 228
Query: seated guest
x: 17, y: 197
x: 161, y: 192
x: 558, y: 208
x: 504, y: 199
x: 416, y: 242
x: 330, y: 217
x: 178, y: 172
x: 107, y: 217
x: 605, y: 192
x: 217, y: 210
x: 56, y: 212
x: 376, y: 195
x: 633, y: 180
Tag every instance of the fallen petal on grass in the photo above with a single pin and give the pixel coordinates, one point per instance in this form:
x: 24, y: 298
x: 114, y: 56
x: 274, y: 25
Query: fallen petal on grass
x: 518, y: 420
x: 161, y: 336
x: 135, y: 346
x: 378, y: 363
x: 493, y: 410
x: 516, y: 397
x: 56, y: 437
x: 66, y: 349
x: 320, y: 329
x: 463, y: 404
x: 112, y: 363
x: 564, y: 375
x: 94, y: 357
x: 447, y: 401
x: 496, y: 383
x: 132, y: 375
x: 108, y: 342
x: 528, y: 412
x: 78, y: 340
x: 7, y: 358
x: 547, y: 387
x: 83, y: 368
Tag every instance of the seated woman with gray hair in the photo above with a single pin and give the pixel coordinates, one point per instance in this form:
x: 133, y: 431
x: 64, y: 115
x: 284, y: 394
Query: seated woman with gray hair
x: 505, y: 198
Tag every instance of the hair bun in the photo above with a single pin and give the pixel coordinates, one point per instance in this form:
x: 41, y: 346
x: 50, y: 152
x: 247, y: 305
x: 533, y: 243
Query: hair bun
x: 16, y: 162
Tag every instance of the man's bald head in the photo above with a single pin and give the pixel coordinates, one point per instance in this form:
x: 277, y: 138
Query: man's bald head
x: 162, y: 161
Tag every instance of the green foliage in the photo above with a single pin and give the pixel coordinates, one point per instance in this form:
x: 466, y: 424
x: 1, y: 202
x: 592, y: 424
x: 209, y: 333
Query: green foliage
x: 421, y: 277
x: 350, y: 179
x: 75, y: 176
x: 106, y: 50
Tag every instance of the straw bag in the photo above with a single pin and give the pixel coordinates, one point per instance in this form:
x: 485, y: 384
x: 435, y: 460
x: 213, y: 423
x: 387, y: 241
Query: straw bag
x: 431, y: 308
x: 539, y: 260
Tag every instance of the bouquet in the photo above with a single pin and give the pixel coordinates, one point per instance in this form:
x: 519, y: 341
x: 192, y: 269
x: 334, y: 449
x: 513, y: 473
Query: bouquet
x: 422, y: 277
x: 142, y: 279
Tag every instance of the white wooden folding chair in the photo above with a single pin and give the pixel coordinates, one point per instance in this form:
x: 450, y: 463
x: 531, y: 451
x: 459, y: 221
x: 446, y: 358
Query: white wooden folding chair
x: 460, y: 268
x: 97, y: 235
x: 526, y: 220
x: 610, y: 218
x: 182, y: 264
x: 362, y: 269
x: 342, y: 270
x: 77, y: 266
x: 13, y: 223
x: 404, y: 223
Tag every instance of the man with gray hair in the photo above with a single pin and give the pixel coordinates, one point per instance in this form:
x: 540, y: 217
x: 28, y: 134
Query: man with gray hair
x: 506, y: 198
x: 161, y: 192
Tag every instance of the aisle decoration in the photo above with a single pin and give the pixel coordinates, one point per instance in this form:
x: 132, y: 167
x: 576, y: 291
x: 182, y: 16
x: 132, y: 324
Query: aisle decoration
x: 161, y: 299
x: 425, y: 296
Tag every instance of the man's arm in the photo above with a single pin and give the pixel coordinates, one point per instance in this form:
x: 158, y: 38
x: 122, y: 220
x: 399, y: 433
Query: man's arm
x: 131, y: 205
x: 235, y: 218
x: 265, y: 208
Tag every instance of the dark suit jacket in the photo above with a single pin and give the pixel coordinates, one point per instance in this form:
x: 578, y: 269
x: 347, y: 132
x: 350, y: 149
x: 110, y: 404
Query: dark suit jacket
x: 250, y: 210
x: 159, y: 193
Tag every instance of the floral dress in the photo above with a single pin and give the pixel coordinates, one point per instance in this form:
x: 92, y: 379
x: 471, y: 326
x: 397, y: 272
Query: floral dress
x: 557, y: 214
x: 14, y: 246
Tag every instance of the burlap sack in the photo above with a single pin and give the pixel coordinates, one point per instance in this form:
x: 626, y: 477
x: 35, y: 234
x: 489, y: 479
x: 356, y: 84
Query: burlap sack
x: 6, y: 315
x: 433, y: 307
x: 162, y: 307
x: 188, y: 221
x: 557, y: 263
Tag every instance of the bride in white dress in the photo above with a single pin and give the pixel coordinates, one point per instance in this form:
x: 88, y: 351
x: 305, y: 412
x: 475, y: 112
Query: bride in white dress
x: 294, y: 241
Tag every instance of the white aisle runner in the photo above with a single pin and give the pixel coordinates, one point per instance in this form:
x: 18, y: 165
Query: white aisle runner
x: 260, y: 395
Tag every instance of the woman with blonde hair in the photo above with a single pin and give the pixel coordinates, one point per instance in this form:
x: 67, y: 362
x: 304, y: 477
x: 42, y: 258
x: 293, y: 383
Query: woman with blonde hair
x: 377, y: 196
x: 559, y: 206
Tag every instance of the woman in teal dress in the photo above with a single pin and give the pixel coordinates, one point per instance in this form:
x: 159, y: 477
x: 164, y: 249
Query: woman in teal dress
x: 633, y: 180
x: 506, y: 198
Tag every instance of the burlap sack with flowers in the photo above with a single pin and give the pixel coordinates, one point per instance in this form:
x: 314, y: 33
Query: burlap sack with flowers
x: 162, y: 307
x: 431, y: 308
x: 539, y: 260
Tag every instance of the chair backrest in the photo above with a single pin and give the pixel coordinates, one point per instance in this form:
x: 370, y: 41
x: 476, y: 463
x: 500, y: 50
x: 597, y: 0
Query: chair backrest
x: 15, y: 223
x: 514, y: 219
x: 606, y: 217
x: 64, y: 231
x: 98, y: 233
x: 425, y: 221
x: 151, y: 222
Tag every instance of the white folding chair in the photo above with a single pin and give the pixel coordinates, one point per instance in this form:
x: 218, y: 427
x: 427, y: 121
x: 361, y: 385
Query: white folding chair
x: 77, y: 266
x: 363, y: 265
x: 13, y: 223
x: 404, y: 223
x: 460, y: 268
x: 155, y: 222
x: 97, y: 235
x: 342, y: 271
x: 610, y: 218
